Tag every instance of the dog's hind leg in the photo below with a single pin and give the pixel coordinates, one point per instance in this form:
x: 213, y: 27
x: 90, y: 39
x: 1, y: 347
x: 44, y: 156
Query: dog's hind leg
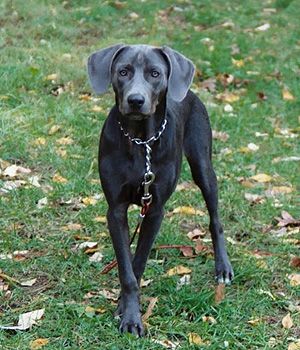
x: 197, y: 148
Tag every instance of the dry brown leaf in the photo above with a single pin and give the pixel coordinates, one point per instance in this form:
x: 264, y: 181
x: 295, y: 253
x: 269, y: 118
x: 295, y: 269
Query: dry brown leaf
x: 295, y: 261
x: 27, y: 320
x: 186, y: 186
x: 287, y: 220
x: 145, y: 283
x: 53, y: 76
x: 110, y: 295
x: 59, y: 179
x: 237, y: 63
x: 38, y: 343
x: 168, y: 344
x: 150, y: 308
x: 183, y: 281
x: 294, y: 279
x: 287, y: 321
x: 294, y: 345
x: 278, y: 190
x: 71, y: 227
x: 89, y: 201
x: 15, y: 170
x: 262, y: 178
x: 195, y: 234
x: 219, y: 292
x: 185, y: 210
x: 28, y: 283
x: 286, y: 95
x: 96, y: 257
x: 101, y: 219
x: 178, y: 270
x: 97, y: 109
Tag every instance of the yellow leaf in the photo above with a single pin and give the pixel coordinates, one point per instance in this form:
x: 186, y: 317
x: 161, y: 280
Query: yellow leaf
x: 38, y: 343
x: 209, y: 319
x: 54, y: 129
x: 286, y: 95
x: 65, y: 141
x: 53, y: 76
x: 97, y: 109
x: 89, y: 309
x: 178, y: 270
x: 281, y: 190
x: 261, y: 178
x: 89, y: 201
x: 228, y: 97
x: 294, y: 345
x: 58, y: 178
x: 294, y: 279
x: 72, y: 227
x: 101, y: 219
x: 195, y: 339
x: 287, y: 321
x: 237, y: 63
x: 188, y: 211
x: 61, y: 152
x: 255, y: 321
x: 40, y: 141
x: 219, y: 292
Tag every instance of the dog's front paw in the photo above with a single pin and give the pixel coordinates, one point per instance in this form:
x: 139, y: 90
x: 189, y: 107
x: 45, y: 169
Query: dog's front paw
x: 224, y: 271
x: 132, y: 323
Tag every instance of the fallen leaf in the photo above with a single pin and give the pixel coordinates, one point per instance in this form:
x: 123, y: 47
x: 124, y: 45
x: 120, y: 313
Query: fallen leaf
x: 65, y: 141
x: 262, y: 96
x: 96, y: 257
x: 42, y: 203
x: 89, y: 201
x: 209, y: 84
x: 254, y: 198
x: 294, y: 279
x: 27, y: 320
x: 59, y: 179
x: 53, y: 76
x: 183, y: 281
x: 145, y: 283
x: 150, y: 308
x: 187, y: 251
x: 186, y: 186
x: 61, y: 152
x: 178, y: 270
x: 287, y: 321
x: 252, y: 147
x: 85, y: 245
x: 15, y: 170
x: 184, y: 210
x: 209, y: 319
x: 228, y: 108
x: 71, y: 227
x: 195, y: 339
x: 219, y: 292
x: 110, y: 295
x: 294, y: 345
x: 262, y: 178
x: 220, y: 135
x: 287, y: 220
x: 195, y: 234
x: 278, y: 190
x: 40, y: 141
x: 101, y: 219
x: 295, y: 261
x: 54, y: 129
x: 28, y: 283
x: 228, y: 97
x: 237, y: 63
x: 263, y: 27
x: 286, y: 159
x: 168, y: 344
x: 97, y: 109
x: 255, y: 321
x: 133, y: 16
x: 38, y: 343
x: 286, y: 95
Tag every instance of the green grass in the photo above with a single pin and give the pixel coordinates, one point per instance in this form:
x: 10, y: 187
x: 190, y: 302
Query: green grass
x: 39, y: 38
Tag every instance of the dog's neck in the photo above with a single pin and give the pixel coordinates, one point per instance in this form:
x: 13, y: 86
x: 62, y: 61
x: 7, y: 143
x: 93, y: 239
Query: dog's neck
x: 144, y: 128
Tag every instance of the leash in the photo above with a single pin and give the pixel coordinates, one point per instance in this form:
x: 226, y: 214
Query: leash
x: 149, y: 178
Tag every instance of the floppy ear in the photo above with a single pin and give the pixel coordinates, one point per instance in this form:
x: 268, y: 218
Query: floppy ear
x: 181, y: 74
x: 99, y: 67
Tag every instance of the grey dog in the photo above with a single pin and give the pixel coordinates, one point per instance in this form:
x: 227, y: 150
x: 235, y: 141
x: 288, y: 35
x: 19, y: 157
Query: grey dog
x: 156, y: 118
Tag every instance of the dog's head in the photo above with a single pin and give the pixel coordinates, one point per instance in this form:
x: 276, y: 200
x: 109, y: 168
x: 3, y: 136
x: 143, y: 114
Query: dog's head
x: 141, y: 76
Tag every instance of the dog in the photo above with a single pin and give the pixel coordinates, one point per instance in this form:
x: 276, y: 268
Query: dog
x: 156, y: 118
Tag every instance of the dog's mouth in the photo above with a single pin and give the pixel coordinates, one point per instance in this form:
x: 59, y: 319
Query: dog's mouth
x: 136, y: 116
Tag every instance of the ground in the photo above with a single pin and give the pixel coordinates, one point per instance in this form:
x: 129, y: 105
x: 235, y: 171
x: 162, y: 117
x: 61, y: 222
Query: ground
x: 248, y: 75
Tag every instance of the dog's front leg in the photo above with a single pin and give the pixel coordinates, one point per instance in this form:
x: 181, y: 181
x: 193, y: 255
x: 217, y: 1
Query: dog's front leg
x: 149, y: 230
x: 129, y: 307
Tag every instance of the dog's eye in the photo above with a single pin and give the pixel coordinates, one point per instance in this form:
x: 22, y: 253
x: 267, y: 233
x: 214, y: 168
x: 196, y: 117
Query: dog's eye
x: 123, y: 72
x: 154, y: 74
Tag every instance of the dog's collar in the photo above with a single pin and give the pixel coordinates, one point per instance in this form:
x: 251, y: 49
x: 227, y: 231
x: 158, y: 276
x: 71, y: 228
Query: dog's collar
x: 149, y: 176
x: 139, y: 141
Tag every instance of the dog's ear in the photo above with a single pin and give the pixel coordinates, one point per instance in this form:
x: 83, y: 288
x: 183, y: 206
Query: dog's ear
x: 181, y: 74
x: 99, y: 67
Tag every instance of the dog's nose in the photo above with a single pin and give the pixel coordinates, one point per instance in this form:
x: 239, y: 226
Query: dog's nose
x: 136, y: 100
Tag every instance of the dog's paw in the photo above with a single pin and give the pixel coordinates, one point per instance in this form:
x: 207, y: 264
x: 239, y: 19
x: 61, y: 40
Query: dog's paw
x: 224, y: 272
x: 132, y: 323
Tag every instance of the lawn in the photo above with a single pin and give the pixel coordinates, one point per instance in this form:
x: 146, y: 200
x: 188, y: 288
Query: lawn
x: 247, y: 56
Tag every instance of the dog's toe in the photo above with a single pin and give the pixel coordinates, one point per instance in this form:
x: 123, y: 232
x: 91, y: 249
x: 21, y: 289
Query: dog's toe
x: 132, y: 324
x: 224, y: 273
